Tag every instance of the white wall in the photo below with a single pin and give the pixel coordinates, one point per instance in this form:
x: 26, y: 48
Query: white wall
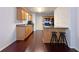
x: 39, y: 22
x: 77, y: 30
x: 34, y: 20
x: 61, y: 16
x: 72, y: 27
x: 7, y: 26
x: 75, y: 27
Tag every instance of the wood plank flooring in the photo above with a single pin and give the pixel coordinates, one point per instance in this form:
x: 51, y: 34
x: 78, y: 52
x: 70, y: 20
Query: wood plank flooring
x: 34, y: 44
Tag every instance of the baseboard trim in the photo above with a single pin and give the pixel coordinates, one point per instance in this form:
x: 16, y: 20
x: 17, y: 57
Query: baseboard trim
x: 77, y: 49
x: 7, y: 45
x: 74, y: 48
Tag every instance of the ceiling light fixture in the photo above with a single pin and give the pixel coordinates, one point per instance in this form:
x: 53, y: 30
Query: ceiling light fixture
x: 40, y: 9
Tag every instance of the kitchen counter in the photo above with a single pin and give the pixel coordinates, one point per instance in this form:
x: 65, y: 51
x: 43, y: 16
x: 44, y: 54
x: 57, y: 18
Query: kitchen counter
x: 22, y: 25
x: 56, y: 29
x: 51, y: 27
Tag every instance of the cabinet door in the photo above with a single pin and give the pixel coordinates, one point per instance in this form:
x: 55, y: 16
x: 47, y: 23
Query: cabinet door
x: 28, y: 30
x: 30, y: 17
x: 23, y: 14
x: 19, y: 13
x: 20, y: 33
x: 46, y: 36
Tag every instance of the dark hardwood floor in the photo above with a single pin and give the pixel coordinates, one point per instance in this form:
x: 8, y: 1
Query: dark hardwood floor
x: 34, y: 44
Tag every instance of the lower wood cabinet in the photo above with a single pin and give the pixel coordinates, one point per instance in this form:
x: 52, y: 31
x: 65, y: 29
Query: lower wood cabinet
x: 28, y: 30
x: 23, y: 31
x: 46, y: 35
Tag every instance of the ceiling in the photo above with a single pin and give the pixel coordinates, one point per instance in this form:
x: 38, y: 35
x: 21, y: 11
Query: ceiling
x: 41, y: 9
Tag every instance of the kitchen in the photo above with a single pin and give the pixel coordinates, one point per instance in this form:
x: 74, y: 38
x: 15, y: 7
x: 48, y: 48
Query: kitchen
x: 44, y: 21
x: 39, y: 25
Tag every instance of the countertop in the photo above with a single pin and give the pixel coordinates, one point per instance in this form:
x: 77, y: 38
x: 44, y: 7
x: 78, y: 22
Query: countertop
x: 23, y: 25
x: 52, y: 27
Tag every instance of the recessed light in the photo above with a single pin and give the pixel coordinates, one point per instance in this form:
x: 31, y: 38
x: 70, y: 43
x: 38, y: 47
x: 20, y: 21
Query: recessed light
x: 40, y: 9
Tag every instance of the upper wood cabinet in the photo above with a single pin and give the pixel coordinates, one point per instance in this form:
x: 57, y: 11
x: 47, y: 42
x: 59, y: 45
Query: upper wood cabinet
x: 30, y: 17
x: 19, y: 13
x: 48, y: 17
x: 23, y: 14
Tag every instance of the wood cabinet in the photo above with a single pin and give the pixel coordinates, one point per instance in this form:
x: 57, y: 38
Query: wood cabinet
x: 28, y: 30
x: 20, y: 32
x: 22, y: 14
x: 30, y: 17
x: 23, y: 31
x: 19, y: 14
x: 48, y: 17
x: 46, y: 35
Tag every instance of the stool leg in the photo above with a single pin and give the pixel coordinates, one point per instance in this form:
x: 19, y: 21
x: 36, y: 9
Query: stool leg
x: 60, y: 39
x: 53, y: 39
x: 66, y: 41
x: 56, y: 39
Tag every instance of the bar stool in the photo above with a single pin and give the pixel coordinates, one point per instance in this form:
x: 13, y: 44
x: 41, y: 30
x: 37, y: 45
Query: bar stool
x: 54, y: 38
x: 62, y: 38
